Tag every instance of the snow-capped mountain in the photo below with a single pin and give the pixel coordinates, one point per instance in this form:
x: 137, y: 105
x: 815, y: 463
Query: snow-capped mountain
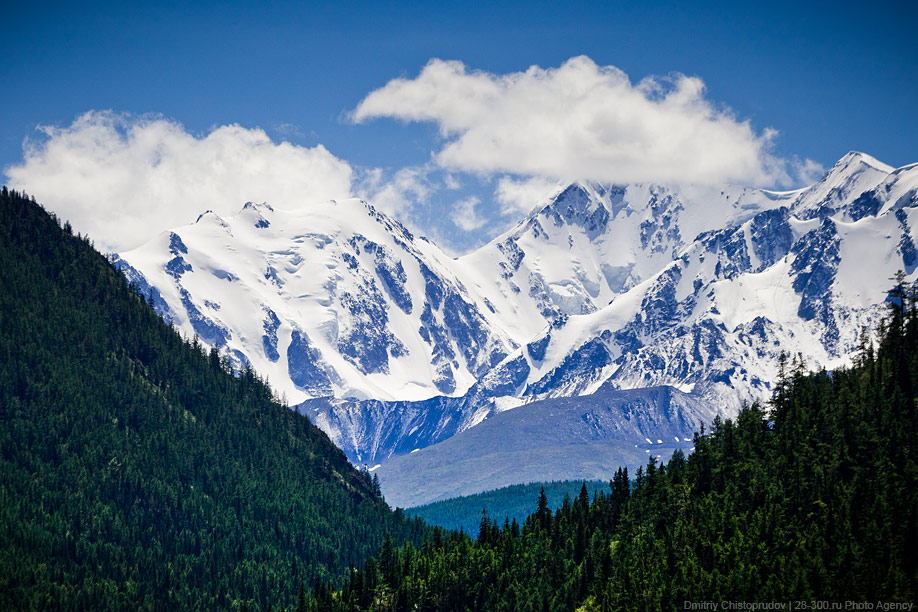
x: 802, y: 272
x: 588, y: 244
x: 805, y: 275
x: 396, y: 346
x: 335, y: 300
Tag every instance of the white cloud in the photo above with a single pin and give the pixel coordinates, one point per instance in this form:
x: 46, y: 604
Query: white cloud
x: 465, y: 216
x: 521, y: 195
x: 451, y: 181
x: 808, y: 171
x: 396, y: 193
x: 123, y: 179
x: 579, y: 121
x: 290, y: 131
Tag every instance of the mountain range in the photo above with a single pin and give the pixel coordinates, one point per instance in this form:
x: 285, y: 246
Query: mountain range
x: 683, y: 296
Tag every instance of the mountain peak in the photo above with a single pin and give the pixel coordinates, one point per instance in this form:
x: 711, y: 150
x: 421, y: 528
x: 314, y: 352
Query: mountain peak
x: 255, y: 214
x: 845, y: 185
x: 209, y: 216
x: 577, y: 204
x: 259, y: 207
x: 852, y: 158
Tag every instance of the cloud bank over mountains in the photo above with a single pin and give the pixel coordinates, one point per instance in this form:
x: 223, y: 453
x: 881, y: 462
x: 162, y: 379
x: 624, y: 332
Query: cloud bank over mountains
x: 580, y: 121
x: 506, y: 141
x: 122, y: 179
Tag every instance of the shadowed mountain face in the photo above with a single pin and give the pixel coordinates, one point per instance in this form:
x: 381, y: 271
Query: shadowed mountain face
x: 585, y: 437
x: 390, y: 346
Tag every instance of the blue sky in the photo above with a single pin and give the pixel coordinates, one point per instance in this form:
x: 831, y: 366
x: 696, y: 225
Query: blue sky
x: 827, y: 76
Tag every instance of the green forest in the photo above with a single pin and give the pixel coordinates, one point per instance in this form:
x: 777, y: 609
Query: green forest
x: 139, y: 472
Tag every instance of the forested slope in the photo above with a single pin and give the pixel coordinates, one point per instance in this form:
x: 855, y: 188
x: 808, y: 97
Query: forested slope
x: 513, y: 502
x: 814, y: 498
x: 136, y: 471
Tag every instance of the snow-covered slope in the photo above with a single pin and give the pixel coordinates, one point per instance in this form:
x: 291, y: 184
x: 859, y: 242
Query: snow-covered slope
x: 804, y: 276
x: 621, y: 287
x: 588, y: 244
x: 337, y: 299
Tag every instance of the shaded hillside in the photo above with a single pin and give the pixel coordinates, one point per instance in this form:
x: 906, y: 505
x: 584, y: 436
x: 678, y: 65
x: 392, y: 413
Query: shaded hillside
x: 813, y: 499
x: 581, y: 438
x: 138, y: 473
x: 513, y: 503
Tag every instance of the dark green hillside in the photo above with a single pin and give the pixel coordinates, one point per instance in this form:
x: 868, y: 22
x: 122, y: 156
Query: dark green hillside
x: 808, y: 504
x: 513, y: 503
x: 136, y: 472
